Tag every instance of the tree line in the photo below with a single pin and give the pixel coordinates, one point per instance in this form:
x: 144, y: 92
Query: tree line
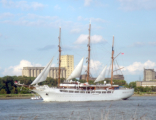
x: 7, y: 85
x: 141, y: 89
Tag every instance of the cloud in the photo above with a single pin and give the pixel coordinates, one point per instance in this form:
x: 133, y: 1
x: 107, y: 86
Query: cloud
x: 10, y: 50
x: 87, y: 2
x: 95, y: 64
x: 6, y: 15
x: 76, y: 30
x: 57, y: 7
x: 130, y: 5
x: 67, y: 48
x: 152, y: 43
x: 80, y: 18
x: 17, y: 70
x: 36, y: 5
x: 141, y: 44
x: 49, y: 21
x: 24, y: 5
x: 34, y: 16
x: 94, y: 39
x: 3, y: 37
x: 48, y: 47
x: 98, y: 3
x: 138, y: 67
x: 95, y: 68
x: 135, y: 68
x: 97, y: 20
x: 71, y: 8
x: 82, y: 39
x: 41, y: 21
x: 53, y: 65
x: 92, y: 19
x: 138, y: 44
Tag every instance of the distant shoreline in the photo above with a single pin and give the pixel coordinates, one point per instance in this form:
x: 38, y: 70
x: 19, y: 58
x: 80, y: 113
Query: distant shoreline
x: 15, y: 96
x: 10, y: 98
x: 143, y: 95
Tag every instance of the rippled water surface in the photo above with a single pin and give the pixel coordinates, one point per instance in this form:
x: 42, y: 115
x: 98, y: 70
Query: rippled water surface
x: 25, y: 109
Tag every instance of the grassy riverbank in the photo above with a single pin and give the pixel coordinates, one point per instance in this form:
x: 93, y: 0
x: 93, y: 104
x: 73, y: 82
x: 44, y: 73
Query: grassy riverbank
x: 144, y: 94
x: 15, y: 96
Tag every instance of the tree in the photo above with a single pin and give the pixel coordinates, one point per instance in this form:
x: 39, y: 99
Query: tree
x: 13, y: 91
x: 82, y: 81
x: 117, y: 82
x: 3, y: 91
x: 7, y: 83
x: 74, y: 79
x: 23, y: 90
x: 147, y: 89
x: 153, y: 88
x: 132, y: 84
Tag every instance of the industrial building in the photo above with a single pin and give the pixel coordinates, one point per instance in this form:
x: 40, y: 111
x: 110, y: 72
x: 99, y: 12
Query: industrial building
x: 116, y: 77
x: 84, y: 77
x: 149, y: 74
x: 67, y: 61
x: 145, y: 83
x: 67, y: 67
x: 149, y: 78
x: 35, y: 71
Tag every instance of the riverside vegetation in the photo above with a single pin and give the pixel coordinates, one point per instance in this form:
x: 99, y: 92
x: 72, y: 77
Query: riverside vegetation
x: 7, y: 85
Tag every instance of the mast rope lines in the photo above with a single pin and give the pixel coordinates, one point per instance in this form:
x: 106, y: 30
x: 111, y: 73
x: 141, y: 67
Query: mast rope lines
x: 88, y: 61
x: 113, y: 61
x: 59, y: 57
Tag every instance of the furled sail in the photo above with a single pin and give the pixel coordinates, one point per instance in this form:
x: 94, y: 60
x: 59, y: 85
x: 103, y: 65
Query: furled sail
x: 101, y: 76
x: 77, y: 71
x: 43, y: 75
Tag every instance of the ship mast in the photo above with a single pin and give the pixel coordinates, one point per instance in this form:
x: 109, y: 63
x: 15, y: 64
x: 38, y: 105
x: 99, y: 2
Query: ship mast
x: 112, y: 61
x: 59, y: 57
x: 88, y: 52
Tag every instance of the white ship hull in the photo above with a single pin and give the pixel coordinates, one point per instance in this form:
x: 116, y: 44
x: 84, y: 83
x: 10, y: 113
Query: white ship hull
x: 54, y: 94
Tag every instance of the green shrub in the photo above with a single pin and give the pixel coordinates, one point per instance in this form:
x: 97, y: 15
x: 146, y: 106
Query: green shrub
x: 3, y: 91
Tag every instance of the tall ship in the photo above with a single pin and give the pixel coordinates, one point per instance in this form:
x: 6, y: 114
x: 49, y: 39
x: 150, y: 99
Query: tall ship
x: 74, y: 90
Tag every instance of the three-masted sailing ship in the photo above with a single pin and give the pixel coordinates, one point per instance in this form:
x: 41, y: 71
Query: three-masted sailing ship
x: 76, y: 91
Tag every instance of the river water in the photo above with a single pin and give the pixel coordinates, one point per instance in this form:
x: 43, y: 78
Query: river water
x: 26, y: 109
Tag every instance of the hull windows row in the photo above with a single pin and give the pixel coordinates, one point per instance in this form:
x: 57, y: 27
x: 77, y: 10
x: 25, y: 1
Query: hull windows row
x: 87, y: 92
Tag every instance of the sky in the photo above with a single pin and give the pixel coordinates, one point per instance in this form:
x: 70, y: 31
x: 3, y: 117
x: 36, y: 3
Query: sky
x: 29, y: 31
